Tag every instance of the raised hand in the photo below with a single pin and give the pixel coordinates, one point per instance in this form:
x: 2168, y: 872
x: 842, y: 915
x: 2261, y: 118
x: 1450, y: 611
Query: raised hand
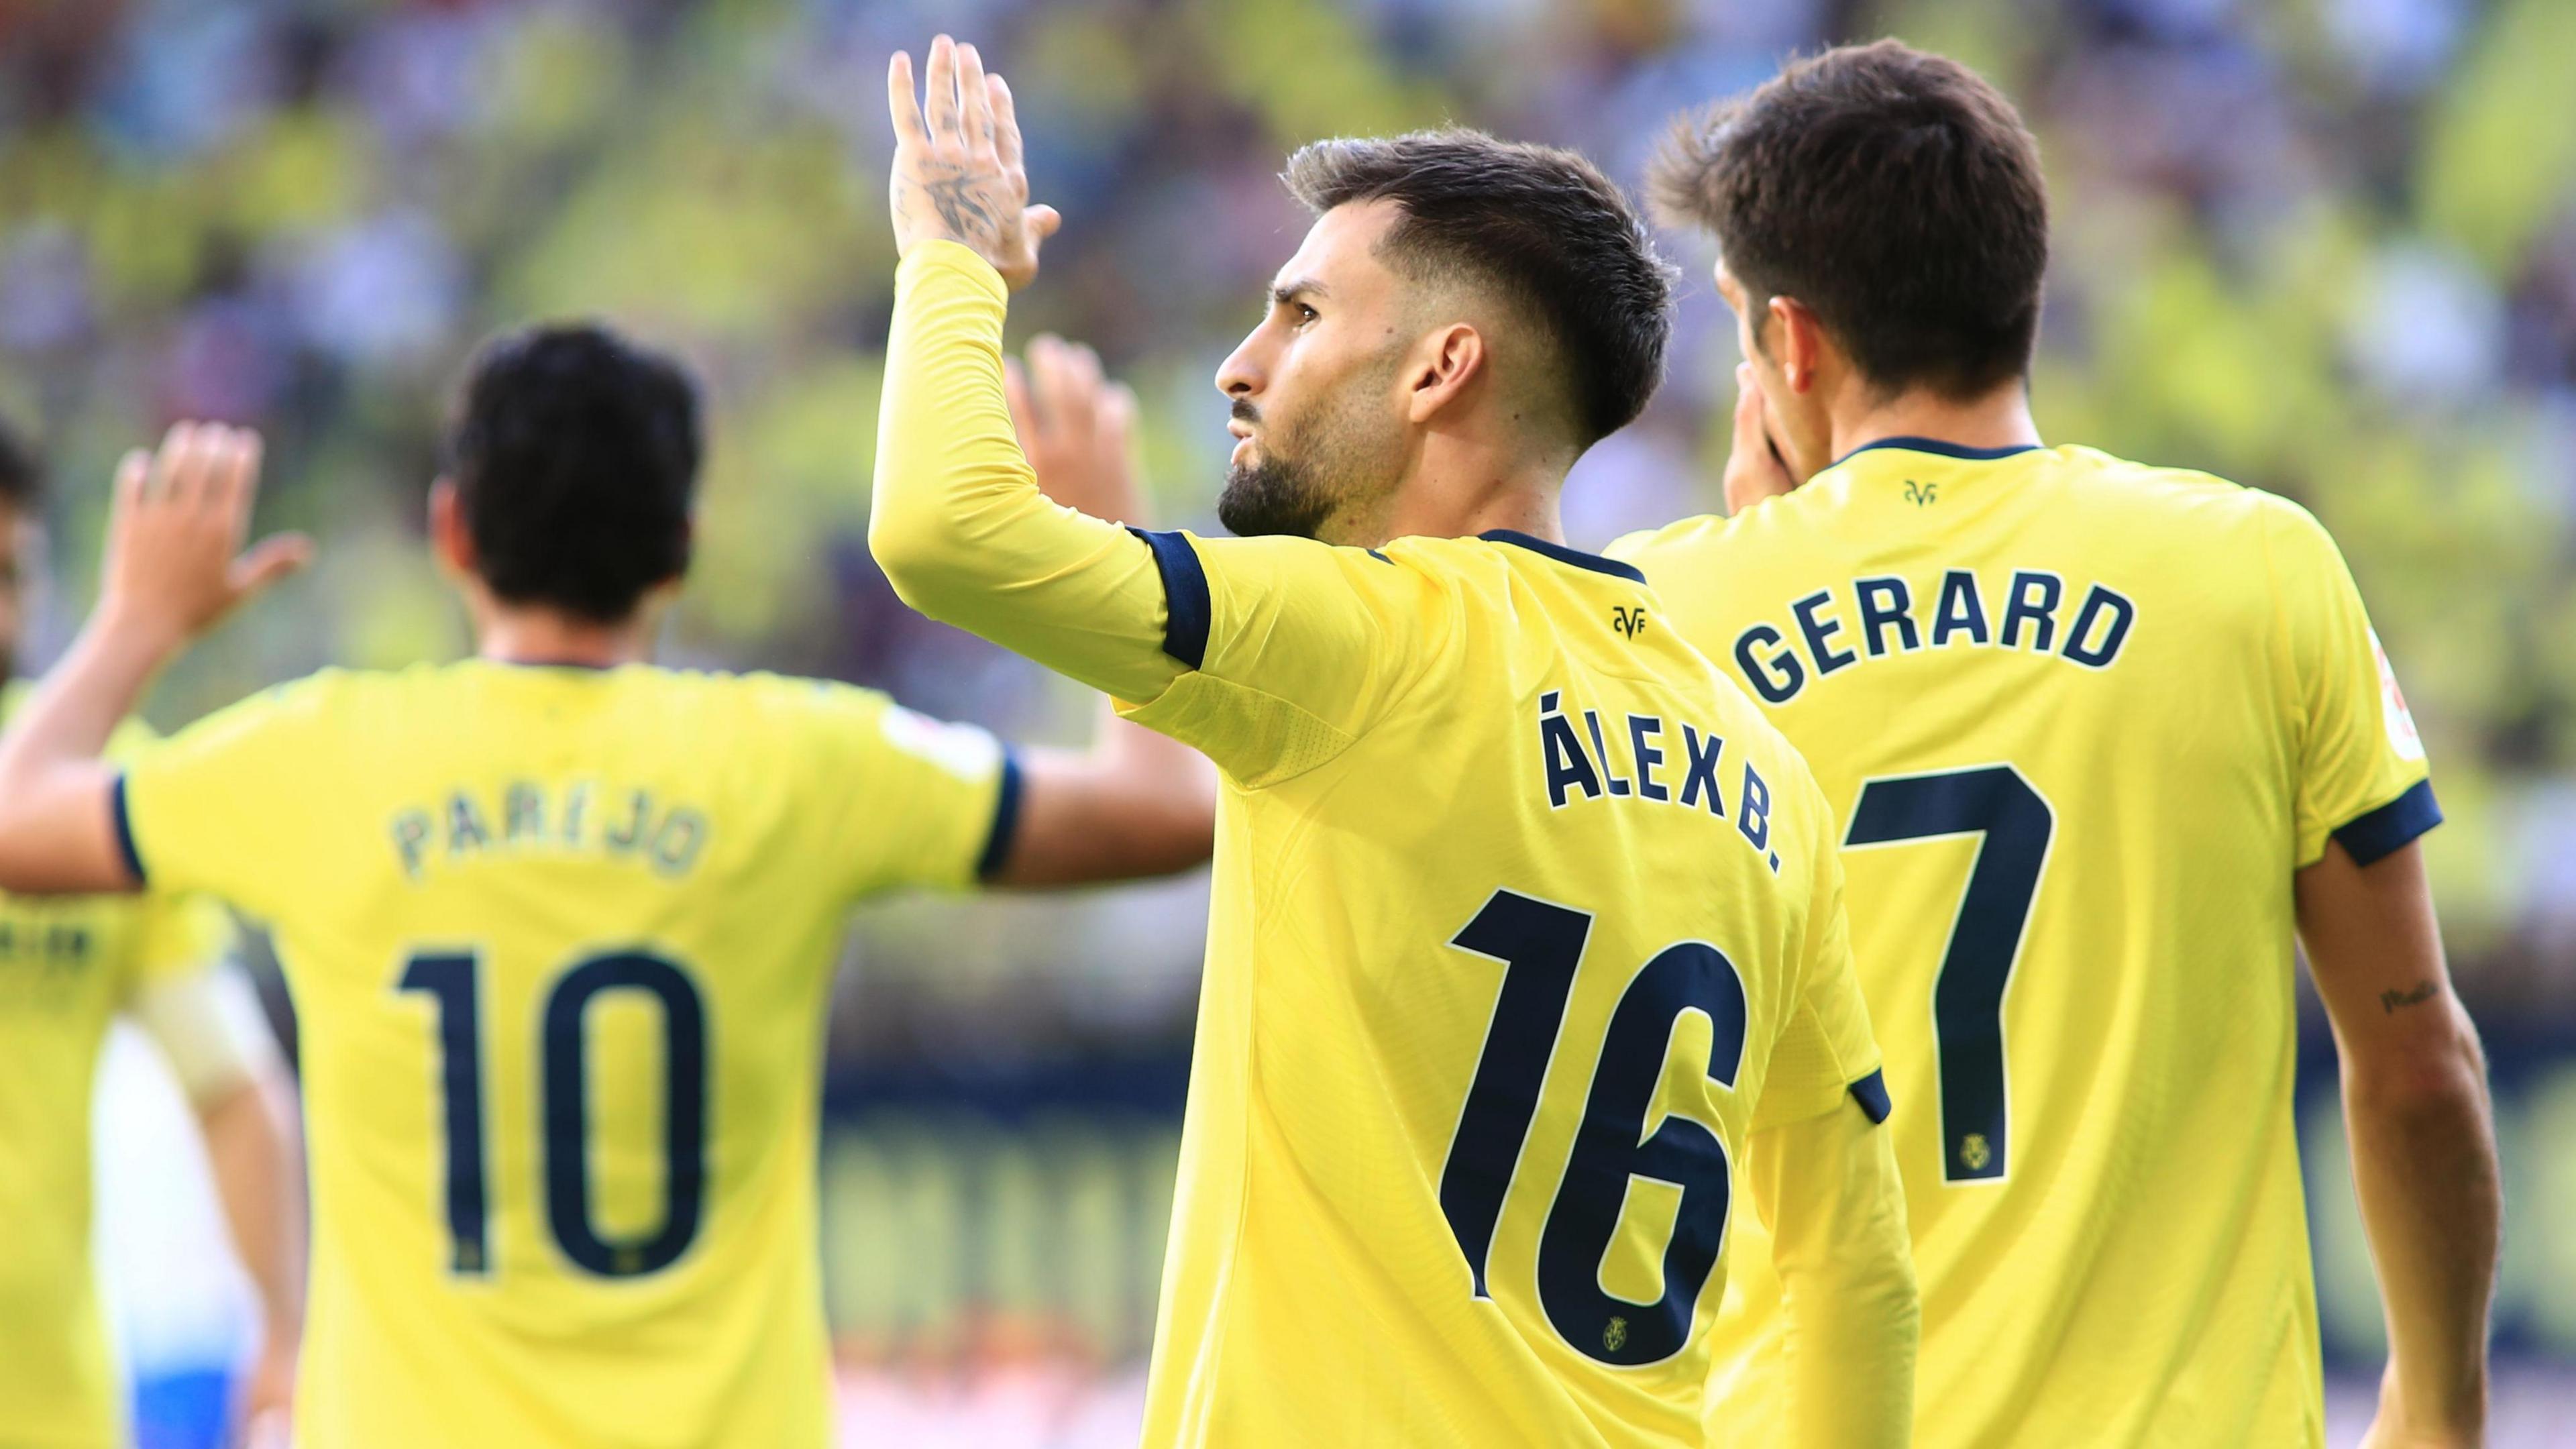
x: 957, y: 173
x: 1078, y: 429
x: 1754, y: 472
x: 175, y: 563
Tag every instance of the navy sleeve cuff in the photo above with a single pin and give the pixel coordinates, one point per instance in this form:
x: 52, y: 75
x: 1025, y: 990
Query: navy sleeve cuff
x: 1006, y: 819
x: 125, y: 831
x: 1185, y: 595
x: 1871, y: 1093
x: 2385, y: 831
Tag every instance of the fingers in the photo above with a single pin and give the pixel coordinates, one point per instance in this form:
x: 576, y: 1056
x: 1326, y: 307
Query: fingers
x: 1041, y: 221
x: 133, y: 475
x: 1752, y: 441
x: 975, y: 96
x: 1068, y: 386
x: 1006, y: 121
x: 1024, y: 417
x: 1754, y: 470
x: 1117, y: 417
x: 269, y: 560
x: 202, y: 465
x: 1748, y: 403
x: 903, y: 101
x: 173, y: 464
x: 232, y: 477
x: 943, y: 91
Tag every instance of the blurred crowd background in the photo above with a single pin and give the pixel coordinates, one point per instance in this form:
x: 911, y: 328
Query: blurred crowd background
x: 2324, y: 247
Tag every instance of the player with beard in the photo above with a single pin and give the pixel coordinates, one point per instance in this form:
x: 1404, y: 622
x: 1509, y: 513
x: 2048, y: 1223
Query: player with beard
x: 1526, y: 950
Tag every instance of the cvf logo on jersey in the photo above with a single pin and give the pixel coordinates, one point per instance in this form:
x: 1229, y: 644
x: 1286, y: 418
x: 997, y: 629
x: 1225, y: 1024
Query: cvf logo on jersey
x: 2392, y: 708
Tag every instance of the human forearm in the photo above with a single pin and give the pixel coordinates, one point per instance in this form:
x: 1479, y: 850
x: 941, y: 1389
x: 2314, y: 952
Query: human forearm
x: 56, y: 830
x: 2422, y: 1132
x: 2425, y: 1172
x: 1136, y: 804
x: 253, y: 1143
x: 1829, y: 1190
x: 958, y: 522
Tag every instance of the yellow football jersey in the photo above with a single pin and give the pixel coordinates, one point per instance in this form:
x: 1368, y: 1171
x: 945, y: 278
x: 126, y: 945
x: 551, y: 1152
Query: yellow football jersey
x: 560, y: 942
x: 67, y: 966
x: 1525, y: 937
x: 1524, y: 922
x: 2082, y: 720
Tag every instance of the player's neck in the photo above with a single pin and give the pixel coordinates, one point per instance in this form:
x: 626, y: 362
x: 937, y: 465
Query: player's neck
x: 543, y: 636
x: 1458, y: 491
x: 2000, y: 419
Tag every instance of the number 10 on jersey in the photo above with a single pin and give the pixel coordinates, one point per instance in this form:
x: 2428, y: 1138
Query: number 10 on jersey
x: 454, y: 982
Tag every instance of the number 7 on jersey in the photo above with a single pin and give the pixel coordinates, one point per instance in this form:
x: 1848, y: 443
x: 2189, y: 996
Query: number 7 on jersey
x: 2016, y: 823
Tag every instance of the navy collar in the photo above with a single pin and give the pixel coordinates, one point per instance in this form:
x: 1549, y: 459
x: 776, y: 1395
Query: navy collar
x: 1564, y: 555
x: 1940, y: 449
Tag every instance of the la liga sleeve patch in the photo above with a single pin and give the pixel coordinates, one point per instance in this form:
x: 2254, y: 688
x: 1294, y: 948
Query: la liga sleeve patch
x: 2393, y: 713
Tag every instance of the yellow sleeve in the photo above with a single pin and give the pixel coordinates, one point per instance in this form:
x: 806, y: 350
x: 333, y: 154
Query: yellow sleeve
x: 175, y: 935
x: 957, y: 520
x: 218, y: 808
x: 902, y: 799
x: 1296, y: 647
x: 1269, y: 655
x: 1825, y: 1050
x: 2361, y: 775
x: 1828, y: 1191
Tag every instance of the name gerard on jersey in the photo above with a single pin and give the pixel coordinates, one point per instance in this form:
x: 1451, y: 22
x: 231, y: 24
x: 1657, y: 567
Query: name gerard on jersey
x: 1841, y: 625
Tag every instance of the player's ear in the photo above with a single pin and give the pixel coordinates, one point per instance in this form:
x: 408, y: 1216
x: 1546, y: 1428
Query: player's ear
x: 1800, y: 336
x: 449, y: 538
x: 1447, y: 362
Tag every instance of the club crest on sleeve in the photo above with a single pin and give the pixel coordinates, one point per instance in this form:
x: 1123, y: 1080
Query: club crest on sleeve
x: 2393, y: 713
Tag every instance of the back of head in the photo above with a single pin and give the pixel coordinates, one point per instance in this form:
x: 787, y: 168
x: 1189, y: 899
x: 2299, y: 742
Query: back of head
x: 1893, y: 192
x: 575, y: 459
x: 1540, y: 229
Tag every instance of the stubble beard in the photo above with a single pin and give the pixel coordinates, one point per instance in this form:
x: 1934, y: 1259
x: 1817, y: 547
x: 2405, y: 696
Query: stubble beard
x: 1311, y: 468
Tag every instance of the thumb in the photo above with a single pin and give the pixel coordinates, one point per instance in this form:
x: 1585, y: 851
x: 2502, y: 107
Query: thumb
x: 1042, y: 221
x: 269, y: 560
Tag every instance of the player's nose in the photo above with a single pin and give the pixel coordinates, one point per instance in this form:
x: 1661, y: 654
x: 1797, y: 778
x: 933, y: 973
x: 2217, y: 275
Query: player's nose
x: 1241, y: 374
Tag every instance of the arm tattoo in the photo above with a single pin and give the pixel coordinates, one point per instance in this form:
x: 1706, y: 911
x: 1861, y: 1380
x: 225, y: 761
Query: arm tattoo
x: 2391, y: 1001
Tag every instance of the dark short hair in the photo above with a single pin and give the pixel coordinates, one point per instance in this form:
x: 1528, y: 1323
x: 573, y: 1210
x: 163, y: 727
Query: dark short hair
x: 1540, y: 226
x: 1895, y: 193
x: 22, y: 471
x: 575, y: 455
